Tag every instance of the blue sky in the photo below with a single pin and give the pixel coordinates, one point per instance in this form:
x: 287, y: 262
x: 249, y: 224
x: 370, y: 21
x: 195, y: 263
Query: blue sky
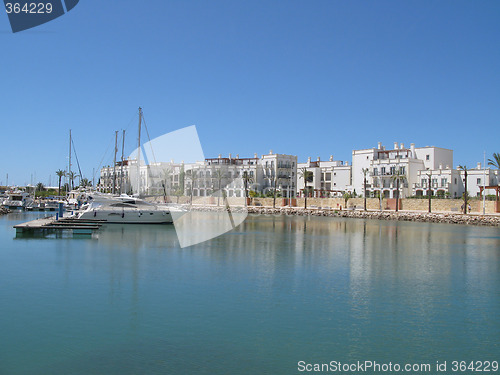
x: 308, y: 78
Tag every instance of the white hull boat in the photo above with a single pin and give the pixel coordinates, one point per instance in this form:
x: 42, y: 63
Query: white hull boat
x: 125, y: 210
x: 17, y: 200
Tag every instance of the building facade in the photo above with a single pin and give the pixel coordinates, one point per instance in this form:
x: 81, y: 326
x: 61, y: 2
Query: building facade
x: 388, y: 169
x: 329, y: 178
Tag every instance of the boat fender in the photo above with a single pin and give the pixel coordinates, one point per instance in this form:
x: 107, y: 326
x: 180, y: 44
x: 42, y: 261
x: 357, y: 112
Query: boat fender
x: 95, y: 214
x: 123, y: 215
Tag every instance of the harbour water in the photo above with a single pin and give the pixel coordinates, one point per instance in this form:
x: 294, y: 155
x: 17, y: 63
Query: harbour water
x: 257, y: 300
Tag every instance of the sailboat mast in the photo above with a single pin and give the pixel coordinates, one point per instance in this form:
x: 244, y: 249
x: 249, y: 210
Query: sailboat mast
x: 114, y: 162
x: 69, y: 163
x: 121, y: 167
x: 139, y: 154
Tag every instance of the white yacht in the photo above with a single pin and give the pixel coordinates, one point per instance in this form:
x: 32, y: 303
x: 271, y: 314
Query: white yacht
x: 17, y: 200
x: 124, y: 210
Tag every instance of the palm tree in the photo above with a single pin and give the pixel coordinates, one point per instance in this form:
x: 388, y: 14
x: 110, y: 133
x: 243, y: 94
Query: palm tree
x: 466, y: 193
x: 60, y: 173
x: 380, y: 198
x: 307, y: 176
x: 247, y: 179
x: 71, y: 176
x: 347, y: 195
x: 192, y: 176
x: 429, y: 175
x: 167, y: 173
x: 397, y: 177
x: 219, y: 175
x: 275, y: 183
x: 495, y: 162
x: 365, y: 172
x: 39, y: 187
x: 85, y: 182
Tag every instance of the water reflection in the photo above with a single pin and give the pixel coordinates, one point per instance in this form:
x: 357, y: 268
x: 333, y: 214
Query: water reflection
x: 275, y: 289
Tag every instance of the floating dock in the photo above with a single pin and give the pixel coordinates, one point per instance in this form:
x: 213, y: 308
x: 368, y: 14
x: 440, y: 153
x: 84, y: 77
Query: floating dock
x: 51, y: 224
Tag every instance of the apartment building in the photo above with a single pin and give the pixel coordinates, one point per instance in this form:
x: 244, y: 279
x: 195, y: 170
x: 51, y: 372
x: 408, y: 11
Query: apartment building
x: 383, y: 165
x: 448, y: 182
x: 330, y: 178
x: 234, y: 175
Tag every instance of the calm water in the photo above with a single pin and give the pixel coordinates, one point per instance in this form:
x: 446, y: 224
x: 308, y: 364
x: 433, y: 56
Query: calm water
x: 276, y: 291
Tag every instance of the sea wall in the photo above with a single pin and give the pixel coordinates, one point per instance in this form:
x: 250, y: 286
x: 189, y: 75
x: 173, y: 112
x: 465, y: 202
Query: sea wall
x: 448, y: 218
x: 437, y: 205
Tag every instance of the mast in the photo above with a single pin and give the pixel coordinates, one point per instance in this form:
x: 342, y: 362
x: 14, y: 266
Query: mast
x: 69, y: 164
x: 114, y: 162
x: 139, y: 155
x: 484, y: 184
x: 121, y: 167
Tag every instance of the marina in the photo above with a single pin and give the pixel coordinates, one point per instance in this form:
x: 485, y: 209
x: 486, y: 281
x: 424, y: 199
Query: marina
x: 241, y: 187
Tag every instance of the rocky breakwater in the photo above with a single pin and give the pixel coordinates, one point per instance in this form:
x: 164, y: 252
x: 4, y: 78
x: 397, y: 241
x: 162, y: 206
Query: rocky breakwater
x: 449, y: 218
x: 3, y: 210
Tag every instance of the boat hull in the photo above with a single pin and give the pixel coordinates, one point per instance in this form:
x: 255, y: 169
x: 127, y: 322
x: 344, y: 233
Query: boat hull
x: 144, y: 217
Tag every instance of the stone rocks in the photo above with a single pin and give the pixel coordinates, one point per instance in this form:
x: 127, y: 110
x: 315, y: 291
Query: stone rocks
x: 4, y: 210
x: 448, y: 218
x: 384, y: 215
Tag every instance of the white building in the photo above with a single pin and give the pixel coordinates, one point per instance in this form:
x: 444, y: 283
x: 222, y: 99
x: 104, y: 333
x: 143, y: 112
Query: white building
x: 451, y: 182
x: 329, y: 178
x: 382, y: 165
x: 233, y: 174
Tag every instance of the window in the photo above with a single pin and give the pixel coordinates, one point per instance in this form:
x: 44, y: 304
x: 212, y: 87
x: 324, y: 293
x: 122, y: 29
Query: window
x: 427, y: 157
x: 424, y: 182
x: 402, y: 170
x: 444, y: 181
x: 455, y: 181
x: 375, y: 171
x: 393, y: 170
x: 382, y: 171
x: 479, y: 181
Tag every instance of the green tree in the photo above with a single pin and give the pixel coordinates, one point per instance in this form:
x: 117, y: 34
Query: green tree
x: 60, y: 173
x: 307, y: 176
